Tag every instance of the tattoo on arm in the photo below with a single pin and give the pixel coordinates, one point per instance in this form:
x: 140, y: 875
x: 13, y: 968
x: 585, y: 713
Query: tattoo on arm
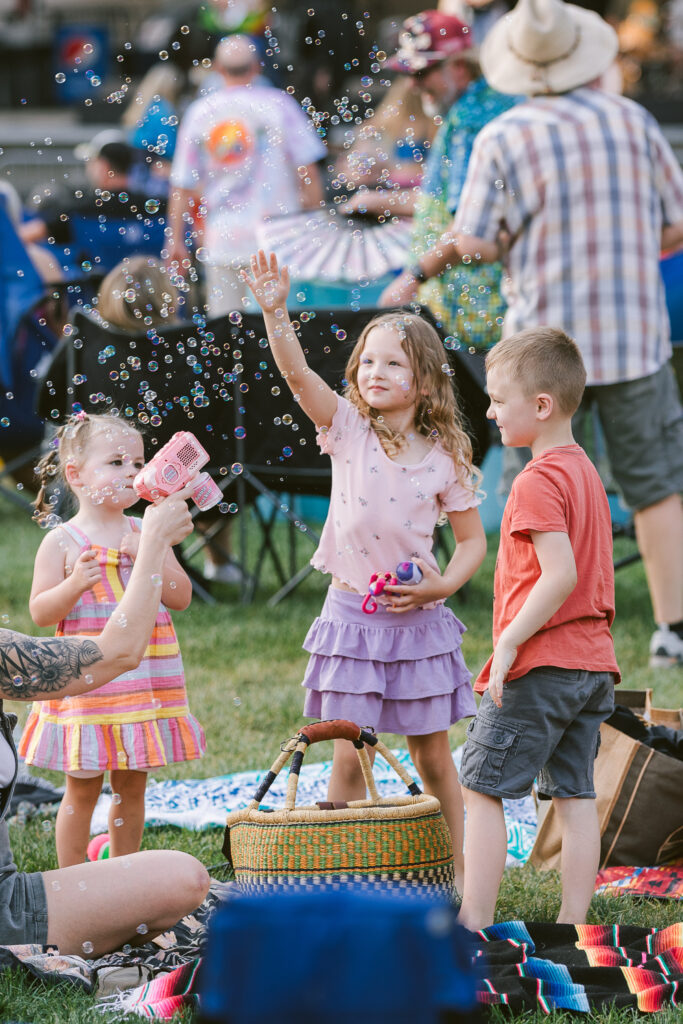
x: 31, y: 667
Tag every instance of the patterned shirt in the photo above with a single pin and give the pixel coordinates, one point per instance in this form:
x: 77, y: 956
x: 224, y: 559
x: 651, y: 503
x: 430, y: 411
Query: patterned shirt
x: 381, y: 511
x: 466, y: 299
x: 584, y: 183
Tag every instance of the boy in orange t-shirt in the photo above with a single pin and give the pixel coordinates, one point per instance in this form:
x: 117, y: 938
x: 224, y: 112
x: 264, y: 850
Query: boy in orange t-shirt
x: 552, y: 646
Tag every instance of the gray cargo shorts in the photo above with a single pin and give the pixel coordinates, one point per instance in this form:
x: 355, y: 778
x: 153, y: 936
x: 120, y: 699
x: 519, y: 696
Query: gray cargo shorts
x: 548, y: 728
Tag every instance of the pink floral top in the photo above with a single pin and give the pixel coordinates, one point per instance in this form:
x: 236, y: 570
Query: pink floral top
x: 381, y: 512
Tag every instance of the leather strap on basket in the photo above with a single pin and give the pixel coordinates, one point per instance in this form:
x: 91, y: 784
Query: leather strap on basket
x: 331, y: 730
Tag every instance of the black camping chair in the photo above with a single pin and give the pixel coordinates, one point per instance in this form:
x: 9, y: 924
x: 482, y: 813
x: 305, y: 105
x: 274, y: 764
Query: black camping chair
x: 218, y: 379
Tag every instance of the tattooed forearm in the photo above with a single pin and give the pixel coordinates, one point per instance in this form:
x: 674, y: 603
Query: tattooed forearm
x: 32, y: 667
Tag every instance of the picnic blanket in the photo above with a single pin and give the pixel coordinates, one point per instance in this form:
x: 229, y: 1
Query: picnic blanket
x: 661, y: 882
x: 523, y: 966
x: 520, y: 965
x: 204, y: 803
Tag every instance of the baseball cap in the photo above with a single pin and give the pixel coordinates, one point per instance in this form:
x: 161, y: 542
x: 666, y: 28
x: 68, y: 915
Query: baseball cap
x: 427, y: 39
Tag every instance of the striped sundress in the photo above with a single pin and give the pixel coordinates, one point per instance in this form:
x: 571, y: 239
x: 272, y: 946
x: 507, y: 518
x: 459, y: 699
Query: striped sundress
x: 139, y: 720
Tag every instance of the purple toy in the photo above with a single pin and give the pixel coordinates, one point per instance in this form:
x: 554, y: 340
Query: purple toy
x: 408, y: 572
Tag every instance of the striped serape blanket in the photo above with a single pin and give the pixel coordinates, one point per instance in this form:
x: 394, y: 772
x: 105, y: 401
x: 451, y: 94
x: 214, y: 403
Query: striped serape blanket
x: 523, y: 966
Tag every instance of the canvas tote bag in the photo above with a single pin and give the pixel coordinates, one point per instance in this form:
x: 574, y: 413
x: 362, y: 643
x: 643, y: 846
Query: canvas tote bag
x: 639, y: 798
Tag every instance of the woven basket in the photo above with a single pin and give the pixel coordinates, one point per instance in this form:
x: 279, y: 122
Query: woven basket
x: 397, y: 843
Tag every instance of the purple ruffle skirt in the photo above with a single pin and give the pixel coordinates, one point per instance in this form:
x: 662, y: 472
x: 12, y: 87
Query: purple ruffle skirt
x: 401, y: 673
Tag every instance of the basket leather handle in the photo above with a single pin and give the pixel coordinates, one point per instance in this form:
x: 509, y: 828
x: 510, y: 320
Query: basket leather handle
x: 316, y: 733
x: 336, y: 729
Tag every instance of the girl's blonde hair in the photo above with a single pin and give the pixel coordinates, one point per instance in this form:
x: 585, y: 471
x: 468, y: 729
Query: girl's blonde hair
x: 137, y: 293
x: 69, y: 447
x: 437, y: 415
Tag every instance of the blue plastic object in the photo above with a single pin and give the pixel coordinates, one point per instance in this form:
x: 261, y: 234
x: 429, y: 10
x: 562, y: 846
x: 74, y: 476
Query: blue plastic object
x: 332, y: 956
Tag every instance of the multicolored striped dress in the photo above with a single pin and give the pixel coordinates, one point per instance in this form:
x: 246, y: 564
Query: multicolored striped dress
x: 139, y: 720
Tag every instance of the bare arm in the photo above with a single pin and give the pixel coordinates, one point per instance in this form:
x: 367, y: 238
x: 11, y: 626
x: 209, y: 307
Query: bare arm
x: 672, y: 235
x: 43, y: 668
x: 176, y: 586
x: 34, y: 230
x: 382, y: 202
x: 180, y: 207
x: 311, y: 188
x: 270, y: 287
x: 548, y: 594
x: 448, y: 252
x: 57, y: 584
x: 470, y: 549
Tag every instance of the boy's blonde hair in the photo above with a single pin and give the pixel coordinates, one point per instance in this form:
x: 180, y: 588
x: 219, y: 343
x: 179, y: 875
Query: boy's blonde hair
x: 542, y: 359
x: 69, y: 447
x: 436, y: 411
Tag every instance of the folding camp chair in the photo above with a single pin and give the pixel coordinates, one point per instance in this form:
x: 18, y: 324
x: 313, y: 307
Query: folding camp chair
x: 24, y: 340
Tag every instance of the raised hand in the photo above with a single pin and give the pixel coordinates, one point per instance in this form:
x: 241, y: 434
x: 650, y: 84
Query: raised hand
x: 268, y: 284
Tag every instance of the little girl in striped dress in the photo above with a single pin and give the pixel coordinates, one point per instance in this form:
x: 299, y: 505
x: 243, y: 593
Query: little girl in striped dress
x: 140, y: 720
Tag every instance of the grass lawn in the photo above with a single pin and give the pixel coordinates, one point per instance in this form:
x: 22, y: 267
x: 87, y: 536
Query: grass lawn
x: 244, y: 666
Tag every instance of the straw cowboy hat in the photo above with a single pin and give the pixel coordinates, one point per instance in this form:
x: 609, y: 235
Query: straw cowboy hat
x: 547, y: 46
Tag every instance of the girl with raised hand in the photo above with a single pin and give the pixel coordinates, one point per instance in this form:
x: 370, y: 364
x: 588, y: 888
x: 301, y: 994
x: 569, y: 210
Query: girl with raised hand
x: 141, y: 719
x: 400, y: 461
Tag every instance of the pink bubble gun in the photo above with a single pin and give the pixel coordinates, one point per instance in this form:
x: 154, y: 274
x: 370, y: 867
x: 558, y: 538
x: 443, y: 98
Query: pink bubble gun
x: 172, y: 467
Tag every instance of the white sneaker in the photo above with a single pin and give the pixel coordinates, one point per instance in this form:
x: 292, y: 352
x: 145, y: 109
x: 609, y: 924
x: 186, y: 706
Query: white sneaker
x: 226, y: 572
x: 666, y: 648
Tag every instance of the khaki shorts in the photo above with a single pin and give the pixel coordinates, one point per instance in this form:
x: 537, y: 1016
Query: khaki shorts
x: 642, y: 422
x: 23, y: 909
x: 548, y: 728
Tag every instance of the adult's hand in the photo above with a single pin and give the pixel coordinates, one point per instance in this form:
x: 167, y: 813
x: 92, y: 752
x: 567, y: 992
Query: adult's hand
x: 168, y: 520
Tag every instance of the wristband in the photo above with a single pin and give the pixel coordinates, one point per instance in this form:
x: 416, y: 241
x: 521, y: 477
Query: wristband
x: 416, y: 271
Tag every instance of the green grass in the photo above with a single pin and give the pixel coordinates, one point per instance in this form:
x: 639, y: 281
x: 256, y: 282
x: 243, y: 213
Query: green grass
x: 244, y: 666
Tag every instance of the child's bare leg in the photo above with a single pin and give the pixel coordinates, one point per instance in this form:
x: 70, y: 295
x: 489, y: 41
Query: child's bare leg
x: 127, y: 811
x: 433, y: 759
x: 580, y: 856
x: 485, y: 853
x: 95, y: 908
x: 346, y: 779
x: 72, y: 827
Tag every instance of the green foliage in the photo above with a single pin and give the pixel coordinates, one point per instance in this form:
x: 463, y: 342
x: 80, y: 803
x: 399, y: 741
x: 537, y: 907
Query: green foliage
x: 244, y: 666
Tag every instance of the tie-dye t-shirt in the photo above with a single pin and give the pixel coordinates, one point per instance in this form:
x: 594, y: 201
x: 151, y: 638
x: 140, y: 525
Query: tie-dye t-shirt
x: 240, y: 149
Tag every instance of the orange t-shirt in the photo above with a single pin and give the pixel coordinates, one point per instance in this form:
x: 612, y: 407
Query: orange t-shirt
x: 558, y: 492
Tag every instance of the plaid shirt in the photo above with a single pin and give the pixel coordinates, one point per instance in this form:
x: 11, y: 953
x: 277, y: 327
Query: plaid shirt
x: 584, y: 183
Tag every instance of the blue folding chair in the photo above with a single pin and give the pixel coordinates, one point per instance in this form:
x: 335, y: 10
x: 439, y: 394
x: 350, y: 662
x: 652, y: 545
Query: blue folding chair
x: 24, y: 339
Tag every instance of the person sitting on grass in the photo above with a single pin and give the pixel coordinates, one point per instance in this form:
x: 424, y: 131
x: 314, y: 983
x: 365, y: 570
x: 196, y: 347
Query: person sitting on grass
x: 550, y: 681
x: 91, y: 909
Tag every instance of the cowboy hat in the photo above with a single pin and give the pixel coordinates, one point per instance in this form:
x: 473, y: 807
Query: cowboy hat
x: 547, y: 46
